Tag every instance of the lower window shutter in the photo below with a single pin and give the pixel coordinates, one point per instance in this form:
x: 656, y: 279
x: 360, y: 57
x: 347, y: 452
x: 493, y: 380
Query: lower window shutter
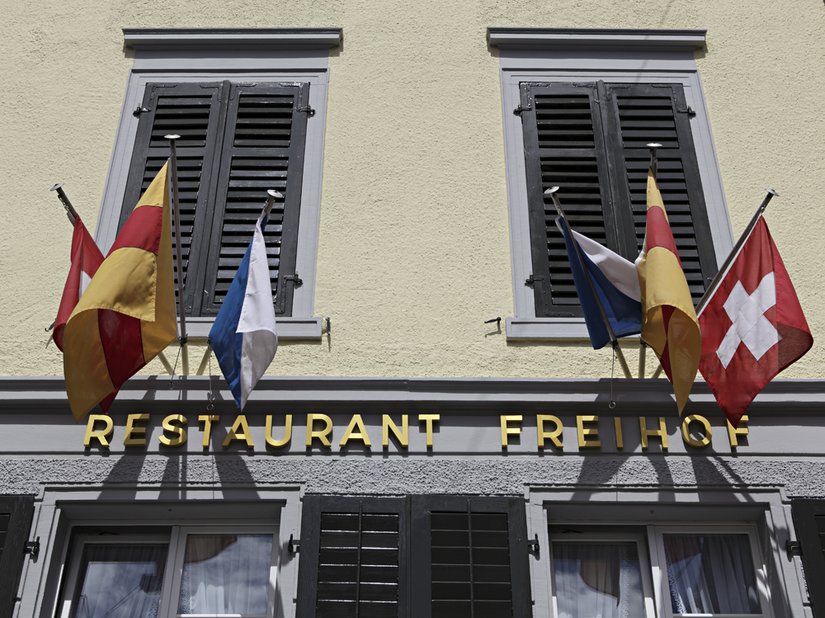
x: 193, y: 111
x: 15, y: 522
x: 639, y: 114
x: 263, y: 149
x: 809, y: 522
x: 469, y: 558
x: 353, y: 558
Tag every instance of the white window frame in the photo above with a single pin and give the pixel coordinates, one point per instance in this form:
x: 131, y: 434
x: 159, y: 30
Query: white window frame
x: 578, y: 55
x: 236, y: 55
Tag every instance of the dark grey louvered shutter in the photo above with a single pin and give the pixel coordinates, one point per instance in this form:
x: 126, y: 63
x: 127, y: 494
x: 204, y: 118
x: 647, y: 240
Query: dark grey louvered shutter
x: 809, y: 523
x: 15, y: 521
x: 353, y: 558
x: 263, y: 149
x: 564, y: 146
x: 193, y: 111
x: 638, y: 114
x: 469, y: 558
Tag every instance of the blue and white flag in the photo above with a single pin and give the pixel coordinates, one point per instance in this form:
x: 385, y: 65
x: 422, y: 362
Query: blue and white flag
x: 614, y: 281
x: 243, y: 335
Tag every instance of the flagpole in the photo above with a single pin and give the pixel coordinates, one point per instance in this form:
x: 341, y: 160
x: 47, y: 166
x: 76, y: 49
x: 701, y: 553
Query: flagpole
x: 654, y: 169
x: 71, y: 213
x: 735, y: 251
x: 614, y: 342
x: 173, y: 172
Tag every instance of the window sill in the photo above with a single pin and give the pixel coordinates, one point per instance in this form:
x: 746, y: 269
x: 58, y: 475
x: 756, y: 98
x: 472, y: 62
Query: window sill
x: 289, y: 329
x: 546, y: 329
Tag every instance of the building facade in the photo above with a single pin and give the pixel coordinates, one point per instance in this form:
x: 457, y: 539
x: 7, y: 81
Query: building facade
x: 436, y: 436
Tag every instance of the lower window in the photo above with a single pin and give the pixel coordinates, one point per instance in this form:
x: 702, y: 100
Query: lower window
x: 663, y: 571
x: 177, y: 571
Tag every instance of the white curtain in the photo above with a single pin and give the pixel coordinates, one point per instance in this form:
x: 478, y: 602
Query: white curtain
x: 711, y: 574
x: 597, y: 580
x: 226, y: 574
x: 120, y: 581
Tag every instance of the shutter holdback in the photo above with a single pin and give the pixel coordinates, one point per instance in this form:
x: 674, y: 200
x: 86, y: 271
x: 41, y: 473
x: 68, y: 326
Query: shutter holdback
x: 32, y: 548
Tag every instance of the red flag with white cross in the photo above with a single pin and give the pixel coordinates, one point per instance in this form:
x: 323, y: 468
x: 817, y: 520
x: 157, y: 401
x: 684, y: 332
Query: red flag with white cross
x: 752, y: 327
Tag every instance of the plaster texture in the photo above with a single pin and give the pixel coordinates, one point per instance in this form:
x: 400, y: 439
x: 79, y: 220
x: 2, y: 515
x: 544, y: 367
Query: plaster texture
x: 796, y: 476
x: 414, y: 249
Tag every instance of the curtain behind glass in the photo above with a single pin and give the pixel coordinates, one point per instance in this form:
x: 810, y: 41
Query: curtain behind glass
x: 598, y: 580
x: 120, y: 581
x: 226, y: 574
x: 711, y: 574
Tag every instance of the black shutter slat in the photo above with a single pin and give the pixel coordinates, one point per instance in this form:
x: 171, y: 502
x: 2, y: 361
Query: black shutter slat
x: 564, y: 146
x: 353, y: 558
x: 644, y: 113
x: 193, y: 111
x: 15, y: 521
x: 263, y: 149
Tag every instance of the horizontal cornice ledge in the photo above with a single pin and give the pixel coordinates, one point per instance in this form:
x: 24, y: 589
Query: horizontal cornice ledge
x: 596, y: 38
x: 212, y: 38
x: 46, y: 395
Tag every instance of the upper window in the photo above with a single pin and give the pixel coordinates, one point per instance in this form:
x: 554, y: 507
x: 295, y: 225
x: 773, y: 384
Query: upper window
x: 580, y: 107
x: 249, y: 106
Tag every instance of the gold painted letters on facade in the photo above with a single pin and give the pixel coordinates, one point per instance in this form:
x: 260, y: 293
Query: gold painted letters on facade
x: 707, y: 432
x: 350, y: 433
x: 734, y: 433
x: 646, y: 433
x: 206, y: 420
x: 555, y: 435
x: 239, y: 432
x: 507, y: 430
x: 135, y: 435
x: 320, y: 434
x: 429, y: 420
x: 175, y: 426
x: 270, y: 441
x: 617, y: 429
x: 402, y: 435
x: 588, y: 436
x: 101, y: 435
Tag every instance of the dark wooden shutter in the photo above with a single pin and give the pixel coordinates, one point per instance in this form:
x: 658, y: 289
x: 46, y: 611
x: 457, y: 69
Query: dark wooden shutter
x: 263, y: 149
x: 809, y: 522
x: 638, y: 114
x: 469, y: 558
x: 193, y: 111
x: 353, y: 558
x: 15, y: 521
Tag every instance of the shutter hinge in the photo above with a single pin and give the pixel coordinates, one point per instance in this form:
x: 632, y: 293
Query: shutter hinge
x: 688, y: 110
x: 293, y: 545
x: 32, y: 548
x: 522, y: 108
x: 793, y: 548
x: 306, y: 108
x: 532, y: 279
x: 296, y: 280
x: 533, y: 545
x: 139, y: 110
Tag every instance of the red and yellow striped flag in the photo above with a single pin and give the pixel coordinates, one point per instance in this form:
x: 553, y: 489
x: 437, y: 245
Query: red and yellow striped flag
x: 127, y: 316
x: 669, y: 323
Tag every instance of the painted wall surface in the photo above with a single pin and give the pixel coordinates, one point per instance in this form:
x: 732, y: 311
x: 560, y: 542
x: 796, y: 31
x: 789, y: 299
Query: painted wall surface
x: 414, y: 249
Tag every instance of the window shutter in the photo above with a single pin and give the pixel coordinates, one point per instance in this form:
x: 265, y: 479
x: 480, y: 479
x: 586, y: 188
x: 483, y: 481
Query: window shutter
x: 809, y: 522
x: 263, y: 149
x: 353, y: 558
x: 564, y: 146
x: 15, y: 521
x: 193, y: 111
x: 469, y: 558
x: 639, y: 114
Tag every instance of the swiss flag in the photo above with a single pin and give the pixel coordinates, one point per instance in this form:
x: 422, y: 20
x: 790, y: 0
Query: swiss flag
x: 752, y: 327
x: 86, y: 258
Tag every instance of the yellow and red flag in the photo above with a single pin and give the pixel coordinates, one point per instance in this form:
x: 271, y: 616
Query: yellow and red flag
x: 127, y: 316
x: 669, y: 323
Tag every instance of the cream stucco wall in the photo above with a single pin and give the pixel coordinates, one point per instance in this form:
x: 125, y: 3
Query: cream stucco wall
x: 414, y: 249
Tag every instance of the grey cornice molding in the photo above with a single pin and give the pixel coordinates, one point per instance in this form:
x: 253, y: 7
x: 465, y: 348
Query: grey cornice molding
x: 596, y: 38
x: 211, y: 38
x: 26, y: 395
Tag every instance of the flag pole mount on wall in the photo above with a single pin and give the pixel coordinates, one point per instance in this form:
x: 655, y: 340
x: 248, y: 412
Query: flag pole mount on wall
x: 614, y: 342
x: 173, y: 169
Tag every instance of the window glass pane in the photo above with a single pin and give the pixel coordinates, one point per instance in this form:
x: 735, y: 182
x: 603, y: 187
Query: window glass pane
x: 226, y: 574
x: 711, y: 574
x: 120, y: 581
x: 597, y: 580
